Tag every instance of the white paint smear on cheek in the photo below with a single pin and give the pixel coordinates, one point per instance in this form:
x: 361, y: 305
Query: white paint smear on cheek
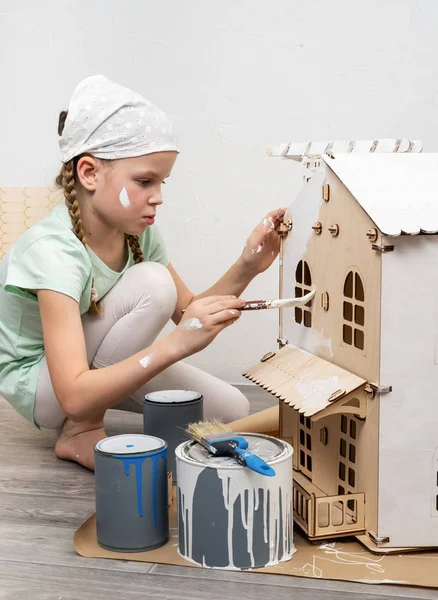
x: 145, y: 361
x: 191, y: 324
x: 124, y: 198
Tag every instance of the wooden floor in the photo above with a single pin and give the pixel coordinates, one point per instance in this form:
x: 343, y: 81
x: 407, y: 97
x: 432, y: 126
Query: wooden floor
x: 44, y: 500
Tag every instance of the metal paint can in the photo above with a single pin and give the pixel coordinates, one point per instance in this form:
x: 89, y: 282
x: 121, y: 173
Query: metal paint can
x: 167, y: 413
x: 230, y: 517
x: 131, y: 493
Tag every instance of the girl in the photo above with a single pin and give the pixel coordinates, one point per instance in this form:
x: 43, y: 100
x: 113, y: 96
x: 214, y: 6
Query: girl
x: 85, y: 292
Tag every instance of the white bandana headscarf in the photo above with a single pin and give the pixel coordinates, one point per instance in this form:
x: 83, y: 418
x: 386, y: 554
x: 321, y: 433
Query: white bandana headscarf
x: 110, y: 121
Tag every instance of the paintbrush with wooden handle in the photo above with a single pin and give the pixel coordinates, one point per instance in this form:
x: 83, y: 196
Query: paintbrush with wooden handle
x: 219, y: 440
x: 281, y: 303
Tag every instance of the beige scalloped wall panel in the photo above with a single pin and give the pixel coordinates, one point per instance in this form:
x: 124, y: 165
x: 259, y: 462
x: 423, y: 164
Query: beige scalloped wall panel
x: 20, y: 208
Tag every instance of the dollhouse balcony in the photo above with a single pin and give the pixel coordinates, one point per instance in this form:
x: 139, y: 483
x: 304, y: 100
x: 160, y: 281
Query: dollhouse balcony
x: 310, y: 385
x: 323, y: 517
x: 309, y: 389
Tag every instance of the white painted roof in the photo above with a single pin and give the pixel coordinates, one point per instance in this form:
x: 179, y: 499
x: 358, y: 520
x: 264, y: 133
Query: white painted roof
x: 399, y: 192
x: 301, y: 150
x: 306, y: 382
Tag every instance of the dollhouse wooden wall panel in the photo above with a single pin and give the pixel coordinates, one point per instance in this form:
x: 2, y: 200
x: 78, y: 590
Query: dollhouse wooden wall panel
x: 408, y: 492
x: 399, y: 194
x: 348, y: 270
x: 345, y: 267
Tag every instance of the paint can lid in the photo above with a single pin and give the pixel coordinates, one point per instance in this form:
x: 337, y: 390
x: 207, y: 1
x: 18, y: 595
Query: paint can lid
x: 172, y: 397
x: 265, y: 447
x: 130, y: 444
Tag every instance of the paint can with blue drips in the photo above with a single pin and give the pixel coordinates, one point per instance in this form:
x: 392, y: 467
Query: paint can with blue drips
x: 131, y: 493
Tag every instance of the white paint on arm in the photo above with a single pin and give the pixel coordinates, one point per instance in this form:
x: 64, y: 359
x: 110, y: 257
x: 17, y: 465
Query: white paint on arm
x: 190, y: 324
x: 258, y: 249
x: 145, y: 361
x: 269, y: 223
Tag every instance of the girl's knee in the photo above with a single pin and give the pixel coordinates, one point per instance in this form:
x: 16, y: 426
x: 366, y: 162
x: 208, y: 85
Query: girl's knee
x: 241, y: 405
x: 152, y: 285
x: 237, y: 405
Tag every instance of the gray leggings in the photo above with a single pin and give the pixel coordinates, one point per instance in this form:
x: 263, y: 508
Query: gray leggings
x: 135, y: 311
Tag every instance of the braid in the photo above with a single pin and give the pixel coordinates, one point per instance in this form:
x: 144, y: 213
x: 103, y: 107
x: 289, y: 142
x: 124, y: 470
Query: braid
x: 134, y: 244
x: 71, y: 201
x: 66, y: 180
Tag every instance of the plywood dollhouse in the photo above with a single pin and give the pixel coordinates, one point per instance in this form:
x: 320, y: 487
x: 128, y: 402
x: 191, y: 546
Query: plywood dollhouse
x: 356, y: 372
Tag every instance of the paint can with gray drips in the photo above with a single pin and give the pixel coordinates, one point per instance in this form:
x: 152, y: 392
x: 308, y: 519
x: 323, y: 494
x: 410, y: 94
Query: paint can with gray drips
x: 131, y: 493
x: 229, y: 516
x: 167, y: 413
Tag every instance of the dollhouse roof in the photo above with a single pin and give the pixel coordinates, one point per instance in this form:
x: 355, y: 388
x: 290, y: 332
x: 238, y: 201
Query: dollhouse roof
x: 306, y: 382
x: 300, y: 151
x: 399, y: 192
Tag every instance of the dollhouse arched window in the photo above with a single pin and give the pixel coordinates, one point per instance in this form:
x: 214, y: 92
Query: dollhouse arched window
x: 303, y: 283
x: 354, y: 311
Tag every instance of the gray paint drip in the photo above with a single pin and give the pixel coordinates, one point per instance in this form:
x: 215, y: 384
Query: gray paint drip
x: 205, y: 530
x: 231, y: 517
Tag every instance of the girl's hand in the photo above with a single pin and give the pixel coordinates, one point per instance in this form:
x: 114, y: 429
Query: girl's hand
x: 203, y: 320
x: 263, y: 245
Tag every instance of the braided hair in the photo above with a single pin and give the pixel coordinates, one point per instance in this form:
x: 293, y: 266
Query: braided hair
x: 66, y: 180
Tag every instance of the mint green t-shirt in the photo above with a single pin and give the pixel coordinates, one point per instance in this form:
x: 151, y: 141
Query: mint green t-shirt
x: 49, y: 256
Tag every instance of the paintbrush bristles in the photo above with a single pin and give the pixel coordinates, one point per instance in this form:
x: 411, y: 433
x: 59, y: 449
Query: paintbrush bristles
x: 202, y: 428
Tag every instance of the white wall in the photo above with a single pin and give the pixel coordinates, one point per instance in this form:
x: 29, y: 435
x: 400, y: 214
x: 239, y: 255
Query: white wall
x: 235, y: 76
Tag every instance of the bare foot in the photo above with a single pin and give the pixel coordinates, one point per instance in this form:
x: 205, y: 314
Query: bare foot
x: 76, y: 441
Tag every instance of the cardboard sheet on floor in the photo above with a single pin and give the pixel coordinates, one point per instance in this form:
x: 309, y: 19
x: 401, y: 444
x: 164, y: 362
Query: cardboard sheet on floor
x: 343, y: 560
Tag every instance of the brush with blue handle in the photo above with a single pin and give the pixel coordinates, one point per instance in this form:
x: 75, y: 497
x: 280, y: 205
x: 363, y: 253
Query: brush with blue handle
x: 219, y: 440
